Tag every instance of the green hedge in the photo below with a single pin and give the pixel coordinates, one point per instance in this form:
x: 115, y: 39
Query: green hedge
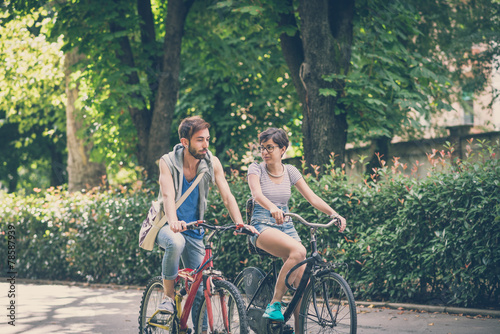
x: 429, y: 240
x: 82, y: 237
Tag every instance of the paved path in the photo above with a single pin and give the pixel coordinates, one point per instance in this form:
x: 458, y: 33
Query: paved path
x: 385, y: 320
x: 52, y: 308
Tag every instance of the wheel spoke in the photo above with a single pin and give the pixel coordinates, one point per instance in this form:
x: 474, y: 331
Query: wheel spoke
x: 228, y: 310
x: 328, y: 306
x: 151, y: 321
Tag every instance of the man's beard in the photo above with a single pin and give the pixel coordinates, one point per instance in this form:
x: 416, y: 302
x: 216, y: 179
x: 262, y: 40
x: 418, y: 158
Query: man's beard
x: 195, y: 154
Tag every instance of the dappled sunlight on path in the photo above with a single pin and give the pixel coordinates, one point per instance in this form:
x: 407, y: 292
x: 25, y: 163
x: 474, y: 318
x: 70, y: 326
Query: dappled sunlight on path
x: 72, y: 309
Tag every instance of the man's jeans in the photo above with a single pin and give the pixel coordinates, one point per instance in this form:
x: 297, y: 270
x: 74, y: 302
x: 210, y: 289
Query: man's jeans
x: 180, y: 246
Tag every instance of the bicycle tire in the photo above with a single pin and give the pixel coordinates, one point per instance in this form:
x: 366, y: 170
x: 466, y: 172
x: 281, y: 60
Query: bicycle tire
x: 151, y: 298
x: 234, y: 304
x: 337, y: 315
x: 247, y: 283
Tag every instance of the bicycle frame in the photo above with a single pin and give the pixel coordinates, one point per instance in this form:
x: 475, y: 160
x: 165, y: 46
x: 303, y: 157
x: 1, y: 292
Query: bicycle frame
x: 204, y: 273
x: 312, y: 262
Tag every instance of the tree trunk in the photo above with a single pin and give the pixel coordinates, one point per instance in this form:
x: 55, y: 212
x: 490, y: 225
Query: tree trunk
x: 82, y: 173
x: 141, y: 117
x: 326, y: 40
x: 168, y: 84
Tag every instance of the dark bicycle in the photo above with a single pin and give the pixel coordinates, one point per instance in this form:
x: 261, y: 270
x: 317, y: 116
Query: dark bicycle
x: 327, y: 305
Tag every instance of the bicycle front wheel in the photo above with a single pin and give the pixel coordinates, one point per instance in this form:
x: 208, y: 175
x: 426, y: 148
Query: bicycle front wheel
x: 228, y: 310
x: 328, y: 305
x: 151, y: 321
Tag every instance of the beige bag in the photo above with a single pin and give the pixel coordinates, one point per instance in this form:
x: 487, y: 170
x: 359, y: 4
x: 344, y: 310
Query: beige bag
x: 156, y: 218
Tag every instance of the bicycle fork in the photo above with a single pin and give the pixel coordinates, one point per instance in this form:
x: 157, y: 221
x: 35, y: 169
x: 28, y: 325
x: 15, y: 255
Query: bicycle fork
x: 208, y: 292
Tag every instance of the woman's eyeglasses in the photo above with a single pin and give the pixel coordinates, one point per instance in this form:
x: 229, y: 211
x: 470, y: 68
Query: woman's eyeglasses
x: 268, y: 148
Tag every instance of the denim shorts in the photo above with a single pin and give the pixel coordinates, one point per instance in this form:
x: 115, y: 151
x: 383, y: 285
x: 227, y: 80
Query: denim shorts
x: 263, y: 220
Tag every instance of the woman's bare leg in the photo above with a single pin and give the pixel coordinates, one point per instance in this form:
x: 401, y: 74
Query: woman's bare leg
x: 290, y: 250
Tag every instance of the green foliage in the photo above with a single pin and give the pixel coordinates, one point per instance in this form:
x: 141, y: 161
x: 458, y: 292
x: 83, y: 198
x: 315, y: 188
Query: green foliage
x: 32, y: 100
x: 233, y: 71
x: 105, y: 93
x: 388, y: 88
x: 236, y: 78
x: 429, y: 240
x: 82, y: 237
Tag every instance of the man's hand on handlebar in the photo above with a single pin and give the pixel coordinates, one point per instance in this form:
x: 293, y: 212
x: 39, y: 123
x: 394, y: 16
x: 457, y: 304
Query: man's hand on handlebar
x: 178, y: 226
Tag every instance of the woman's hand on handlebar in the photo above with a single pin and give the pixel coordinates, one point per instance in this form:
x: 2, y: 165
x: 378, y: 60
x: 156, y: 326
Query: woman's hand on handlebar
x: 277, y: 214
x: 246, y: 229
x: 341, y: 223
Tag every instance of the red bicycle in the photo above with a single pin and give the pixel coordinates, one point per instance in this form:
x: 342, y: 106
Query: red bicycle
x: 222, y: 304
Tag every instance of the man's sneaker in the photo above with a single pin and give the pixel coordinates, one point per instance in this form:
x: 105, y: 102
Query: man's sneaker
x: 287, y: 329
x: 167, y: 306
x: 273, y: 312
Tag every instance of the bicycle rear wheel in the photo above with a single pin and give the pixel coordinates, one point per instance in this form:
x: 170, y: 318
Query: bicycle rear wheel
x: 228, y: 310
x: 328, y: 305
x: 247, y: 283
x: 150, y: 321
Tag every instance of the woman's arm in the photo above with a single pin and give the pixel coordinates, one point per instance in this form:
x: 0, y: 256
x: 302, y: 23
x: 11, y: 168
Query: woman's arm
x: 319, y: 203
x: 254, y: 184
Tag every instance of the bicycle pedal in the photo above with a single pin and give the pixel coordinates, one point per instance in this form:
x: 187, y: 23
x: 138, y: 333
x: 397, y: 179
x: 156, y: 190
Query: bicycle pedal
x: 287, y: 329
x: 275, y: 322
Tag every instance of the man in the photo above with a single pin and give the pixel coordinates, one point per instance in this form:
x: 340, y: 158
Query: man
x: 178, y: 170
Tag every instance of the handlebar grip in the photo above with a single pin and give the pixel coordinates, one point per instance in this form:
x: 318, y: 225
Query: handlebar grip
x: 242, y: 229
x: 194, y: 225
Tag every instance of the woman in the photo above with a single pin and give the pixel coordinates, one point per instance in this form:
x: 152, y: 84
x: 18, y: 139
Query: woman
x: 270, y: 183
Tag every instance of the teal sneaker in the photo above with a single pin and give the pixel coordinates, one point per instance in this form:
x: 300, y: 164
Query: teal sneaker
x: 273, y: 312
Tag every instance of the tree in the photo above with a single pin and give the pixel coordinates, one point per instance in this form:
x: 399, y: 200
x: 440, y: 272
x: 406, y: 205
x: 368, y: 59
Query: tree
x: 370, y: 69
x: 411, y: 61
x: 406, y: 55
x: 82, y: 172
x: 151, y: 111
x: 318, y: 45
x: 32, y: 135
x: 125, y: 70
x: 234, y: 75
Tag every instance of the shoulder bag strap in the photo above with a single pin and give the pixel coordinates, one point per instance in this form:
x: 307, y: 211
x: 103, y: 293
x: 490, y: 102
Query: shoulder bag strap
x: 163, y: 220
x: 190, y: 189
x: 186, y: 194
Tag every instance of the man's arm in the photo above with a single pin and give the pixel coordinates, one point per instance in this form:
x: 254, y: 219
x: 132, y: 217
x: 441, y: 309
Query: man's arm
x: 168, y: 195
x: 227, y: 197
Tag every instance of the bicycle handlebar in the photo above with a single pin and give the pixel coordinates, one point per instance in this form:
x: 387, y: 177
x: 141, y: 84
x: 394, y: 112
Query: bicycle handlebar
x: 241, y: 228
x: 203, y: 223
x: 335, y: 221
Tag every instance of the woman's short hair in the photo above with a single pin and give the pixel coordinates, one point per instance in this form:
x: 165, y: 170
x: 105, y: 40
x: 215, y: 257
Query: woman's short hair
x: 279, y: 136
x: 191, y: 125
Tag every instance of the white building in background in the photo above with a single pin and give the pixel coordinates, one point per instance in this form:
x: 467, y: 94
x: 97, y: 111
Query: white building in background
x: 477, y: 110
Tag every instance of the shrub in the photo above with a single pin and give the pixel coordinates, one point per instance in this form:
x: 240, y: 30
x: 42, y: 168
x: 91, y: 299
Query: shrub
x: 431, y: 240
x: 82, y: 237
